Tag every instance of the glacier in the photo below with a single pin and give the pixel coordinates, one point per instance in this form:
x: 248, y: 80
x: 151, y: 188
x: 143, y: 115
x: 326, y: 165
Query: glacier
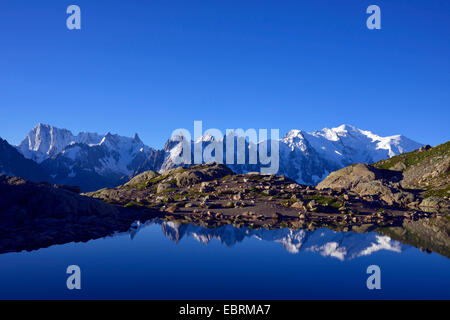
x: 93, y: 160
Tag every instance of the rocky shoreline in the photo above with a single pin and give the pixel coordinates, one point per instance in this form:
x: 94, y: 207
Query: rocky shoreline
x: 358, y: 198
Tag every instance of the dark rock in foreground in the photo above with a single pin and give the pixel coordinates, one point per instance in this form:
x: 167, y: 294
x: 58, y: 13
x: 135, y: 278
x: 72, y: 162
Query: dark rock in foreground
x: 22, y: 201
x: 36, y: 215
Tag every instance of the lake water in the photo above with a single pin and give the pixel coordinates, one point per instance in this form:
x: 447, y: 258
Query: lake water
x: 171, y: 261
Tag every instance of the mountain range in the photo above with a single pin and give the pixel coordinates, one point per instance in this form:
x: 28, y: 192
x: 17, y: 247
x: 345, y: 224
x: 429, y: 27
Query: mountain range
x: 93, y: 161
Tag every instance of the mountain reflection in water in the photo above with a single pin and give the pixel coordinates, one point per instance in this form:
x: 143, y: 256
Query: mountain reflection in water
x: 178, y: 260
x: 327, y: 243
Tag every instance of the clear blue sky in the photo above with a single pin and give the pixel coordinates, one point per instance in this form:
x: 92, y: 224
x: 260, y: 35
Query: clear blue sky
x: 154, y: 66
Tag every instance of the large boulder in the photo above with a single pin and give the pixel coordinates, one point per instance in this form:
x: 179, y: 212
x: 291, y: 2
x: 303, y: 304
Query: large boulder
x: 366, y: 180
x: 351, y: 176
x: 164, y: 186
x: 197, y: 174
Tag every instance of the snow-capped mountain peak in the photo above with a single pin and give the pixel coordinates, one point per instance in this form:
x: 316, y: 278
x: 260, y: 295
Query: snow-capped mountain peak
x: 45, y: 141
x: 207, y: 138
x: 308, y: 157
x: 295, y: 140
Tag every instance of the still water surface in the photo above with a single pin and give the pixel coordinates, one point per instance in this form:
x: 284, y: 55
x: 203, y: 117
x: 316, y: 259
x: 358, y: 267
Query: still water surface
x: 172, y: 261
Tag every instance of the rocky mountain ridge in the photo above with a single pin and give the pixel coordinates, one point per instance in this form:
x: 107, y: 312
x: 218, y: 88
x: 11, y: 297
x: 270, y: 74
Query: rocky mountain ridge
x: 15, y: 164
x: 93, y: 161
x: 420, y: 178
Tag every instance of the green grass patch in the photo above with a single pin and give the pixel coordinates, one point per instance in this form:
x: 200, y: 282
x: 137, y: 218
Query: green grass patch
x: 414, y: 157
x: 156, y: 179
x: 133, y: 204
